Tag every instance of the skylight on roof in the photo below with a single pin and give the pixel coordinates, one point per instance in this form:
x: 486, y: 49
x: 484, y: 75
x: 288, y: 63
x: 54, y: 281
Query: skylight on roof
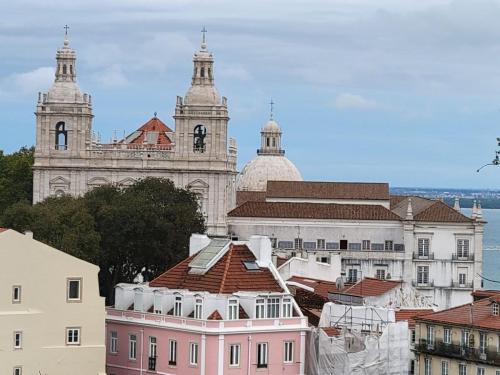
x: 251, y: 265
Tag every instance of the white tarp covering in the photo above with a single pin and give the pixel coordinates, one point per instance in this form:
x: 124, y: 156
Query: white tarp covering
x: 370, y: 342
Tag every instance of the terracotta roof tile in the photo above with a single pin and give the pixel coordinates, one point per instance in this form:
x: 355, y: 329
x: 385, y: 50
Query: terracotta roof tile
x: 441, y: 212
x: 484, y: 293
x: 331, y: 331
x: 478, y: 314
x: 215, y: 316
x: 313, y: 211
x: 409, y: 314
x: 245, y: 196
x: 370, y: 287
x: 321, y: 287
x: 153, y: 125
x: 328, y: 190
x: 228, y: 275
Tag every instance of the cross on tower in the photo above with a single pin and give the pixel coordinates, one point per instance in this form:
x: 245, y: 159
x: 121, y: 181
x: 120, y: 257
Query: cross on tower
x: 271, y: 103
x: 203, y: 31
x: 66, y: 28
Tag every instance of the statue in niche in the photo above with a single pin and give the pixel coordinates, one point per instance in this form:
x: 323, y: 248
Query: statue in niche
x: 200, y: 132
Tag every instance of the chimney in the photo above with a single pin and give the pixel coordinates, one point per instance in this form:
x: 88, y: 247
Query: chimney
x: 197, y: 242
x: 262, y: 249
x: 456, y: 206
x: 409, y: 210
x: 28, y: 234
x: 474, y: 210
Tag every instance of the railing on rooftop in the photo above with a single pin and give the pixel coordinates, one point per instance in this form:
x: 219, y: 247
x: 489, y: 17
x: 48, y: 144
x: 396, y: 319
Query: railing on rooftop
x: 468, y: 258
x: 429, y: 256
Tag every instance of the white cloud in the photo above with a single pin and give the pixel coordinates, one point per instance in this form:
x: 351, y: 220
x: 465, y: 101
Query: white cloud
x: 351, y: 101
x: 112, y: 77
x: 30, y: 82
x: 237, y: 72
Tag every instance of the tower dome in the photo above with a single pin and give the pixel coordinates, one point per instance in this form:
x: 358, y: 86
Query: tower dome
x: 270, y: 163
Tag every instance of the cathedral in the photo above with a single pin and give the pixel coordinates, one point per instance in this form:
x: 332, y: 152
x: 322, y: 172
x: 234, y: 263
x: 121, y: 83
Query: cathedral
x: 198, y: 155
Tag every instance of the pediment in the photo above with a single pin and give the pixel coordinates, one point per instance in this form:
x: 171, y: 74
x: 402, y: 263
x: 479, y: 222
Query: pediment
x: 59, y: 181
x: 197, y: 184
x: 127, y: 181
x: 98, y: 181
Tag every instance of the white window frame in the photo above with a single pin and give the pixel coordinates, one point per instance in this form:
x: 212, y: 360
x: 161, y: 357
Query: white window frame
x: 234, y: 355
x: 462, y: 369
x: 287, y: 307
x: 157, y: 303
x: 233, y: 309
x: 153, y: 347
x: 413, y: 335
x: 19, y: 291
x: 463, y: 248
x: 193, y: 354
x: 298, y: 243
x: 350, y: 273
x: 320, y: 244
x: 422, y: 275
x: 465, y: 338
x: 198, y: 307
x: 260, y: 308
x: 481, y: 371
x: 273, y: 307
x: 262, y: 355
x: 366, y: 245
x: 495, y: 308
x: 423, y: 247
x: 288, y: 351
x: 172, y: 352
x: 177, y: 305
x: 18, y: 340
x: 447, y: 335
x: 380, y: 272
x: 17, y: 370
x: 445, y: 368
x: 70, y: 280
x: 113, y: 342
x: 132, y: 347
x: 430, y: 336
x: 388, y: 245
x: 483, y: 342
x: 427, y: 366
x: 70, y: 335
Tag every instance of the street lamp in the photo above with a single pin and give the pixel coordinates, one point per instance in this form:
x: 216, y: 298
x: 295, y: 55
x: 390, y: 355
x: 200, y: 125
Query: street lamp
x: 495, y: 161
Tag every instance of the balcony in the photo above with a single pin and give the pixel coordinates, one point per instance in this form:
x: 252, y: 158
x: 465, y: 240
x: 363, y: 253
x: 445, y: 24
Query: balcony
x: 152, y: 364
x: 468, y: 258
x: 456, y: 284
x: 439, y: 348
x: 429, y: 256
x: 427, y: 285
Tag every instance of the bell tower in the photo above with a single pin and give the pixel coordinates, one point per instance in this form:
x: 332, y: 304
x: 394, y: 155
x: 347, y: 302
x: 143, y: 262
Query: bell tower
x: 63, y: 114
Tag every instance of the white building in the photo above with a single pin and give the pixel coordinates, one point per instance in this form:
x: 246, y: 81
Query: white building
x: 422, y: 242
x: 51, y: 315
x: 69, y: 159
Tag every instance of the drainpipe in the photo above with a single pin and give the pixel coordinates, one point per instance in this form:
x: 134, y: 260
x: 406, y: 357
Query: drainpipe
x: 249, y: 353
x: 142, y: 349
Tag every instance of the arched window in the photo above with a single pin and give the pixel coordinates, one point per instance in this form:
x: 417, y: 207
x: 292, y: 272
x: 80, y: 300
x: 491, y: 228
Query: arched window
x: 199, y: 134
x: 202, y: 72
x: 267, y: 142
x: 64, y: 69
x: 61, y: 136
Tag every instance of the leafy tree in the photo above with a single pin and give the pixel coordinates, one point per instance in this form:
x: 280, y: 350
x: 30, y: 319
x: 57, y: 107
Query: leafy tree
x: 16, y: 177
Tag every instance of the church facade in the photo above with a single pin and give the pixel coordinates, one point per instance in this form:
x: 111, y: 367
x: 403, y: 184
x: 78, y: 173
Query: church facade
x: 198, y: 155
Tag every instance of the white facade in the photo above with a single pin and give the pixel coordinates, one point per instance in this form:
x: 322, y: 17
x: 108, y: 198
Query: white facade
x: 51, y: 315
x: 69, y: 160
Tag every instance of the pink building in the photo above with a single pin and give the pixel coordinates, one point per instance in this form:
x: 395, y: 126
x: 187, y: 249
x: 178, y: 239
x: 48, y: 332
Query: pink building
x: 223, y: 310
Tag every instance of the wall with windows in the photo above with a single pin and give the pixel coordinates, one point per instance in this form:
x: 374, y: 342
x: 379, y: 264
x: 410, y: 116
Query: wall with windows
x: 50, y: 303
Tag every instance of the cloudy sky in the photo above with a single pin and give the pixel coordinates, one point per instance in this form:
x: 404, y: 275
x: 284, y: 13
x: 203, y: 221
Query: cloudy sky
x: 404, y: 91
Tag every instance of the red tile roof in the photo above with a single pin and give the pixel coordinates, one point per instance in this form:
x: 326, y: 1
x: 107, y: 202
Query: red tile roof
x: 3, y: 230
x: 313, y: 211
x: 321, y: 287
x: 228, y: 275
x: 245, y: 196
x: 371, y: 287
x: 409, y: 314
x: 153, y: 125
x: 331, y: 331
x: 215, y: 316
x: 476, y: 315
x: 327, y: 190
x: 484, y: 293
x: 428, y: 210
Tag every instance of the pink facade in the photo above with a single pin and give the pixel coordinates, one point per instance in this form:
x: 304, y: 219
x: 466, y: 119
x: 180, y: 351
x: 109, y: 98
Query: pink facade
x: 214, y: 339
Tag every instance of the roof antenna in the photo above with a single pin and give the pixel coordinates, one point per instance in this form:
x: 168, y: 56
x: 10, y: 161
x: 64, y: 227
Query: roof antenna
x: 155, y: 114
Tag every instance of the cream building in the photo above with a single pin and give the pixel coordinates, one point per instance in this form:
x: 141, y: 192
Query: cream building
x: 69, y: 159
x: 51, y: 314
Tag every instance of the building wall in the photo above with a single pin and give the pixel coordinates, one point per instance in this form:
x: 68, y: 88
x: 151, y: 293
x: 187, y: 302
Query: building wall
x: 44, y: 313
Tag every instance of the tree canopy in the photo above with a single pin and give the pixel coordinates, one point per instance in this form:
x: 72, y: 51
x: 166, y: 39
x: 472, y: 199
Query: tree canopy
x: 143, y: 228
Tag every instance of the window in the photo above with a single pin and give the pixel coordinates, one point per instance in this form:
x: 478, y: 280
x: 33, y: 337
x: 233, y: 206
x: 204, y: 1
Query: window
x: 287, y: 308
x: 202, y: 72
x: 273, y: 307
x: 267, y: 141
x: 113, y: 342
x: 198, y: 308
x: 320, y: 244
x: 61, y: 136
x: 462, y: 369
x: 482, y: 342
x: 447, y: 336
x: 427, y: 366
x: 288, y: 354
x: 413, y: 336
x: 260, y: 308
x: 464, y: 340
x: 343, y: 244
x: 16, y: 294
x: 233, y: 309
x: 65, y: 70
x: 172, y: 352
x: 462, y: 276
x: 423, y: 247
x: 380, y: 274
x: 73, y: 336
x: 234, y: 355
x: 297, y: 243
x: 481, y: 371
x: 193, y: 354
x: 412, y: 367
x: 18, y: 370
x: 18, y: 340
x: 422, y: 275
x: 495, y: 309
x: 262, y: 355
x: 199, y: 135
x: 132, y: 346
x: 152, y: 347
x: 352, y: 275
x: 430, y: 336
x: 444, y: 367
x: 74, y: 290
x: 462, y: 248
x: 157, y: 303
x: 366, y: 245
x: 274, y: 242
x: 178, y: 306
x: 388, y: 245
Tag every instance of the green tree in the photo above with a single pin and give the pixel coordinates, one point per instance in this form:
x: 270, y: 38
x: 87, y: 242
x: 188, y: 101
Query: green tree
x: 16, y: 177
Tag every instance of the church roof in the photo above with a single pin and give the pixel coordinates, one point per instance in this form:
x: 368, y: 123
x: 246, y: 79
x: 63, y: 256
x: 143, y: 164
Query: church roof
x: 153, y: 132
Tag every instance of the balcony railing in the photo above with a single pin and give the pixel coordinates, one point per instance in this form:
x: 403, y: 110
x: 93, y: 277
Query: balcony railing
x: 152, y: 364
x: 456, y: 284
x: 429, y: 284
x: 468, y: 258
x: 429, y: 256
x: 491, y: 357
